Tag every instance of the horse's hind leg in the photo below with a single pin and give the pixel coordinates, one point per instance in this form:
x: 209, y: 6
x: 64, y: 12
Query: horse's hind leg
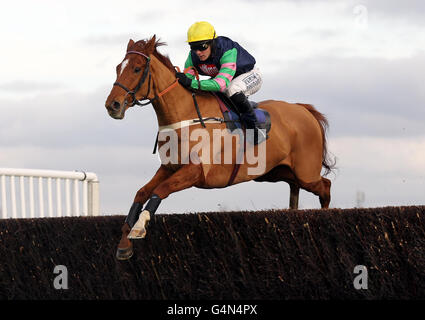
x: 325, y: 196
x: 294, y: 195
x: 321, y: 188
x: 284, y: 173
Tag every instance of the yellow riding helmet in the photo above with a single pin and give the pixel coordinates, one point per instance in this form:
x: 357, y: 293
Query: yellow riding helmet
x: 200, y: 31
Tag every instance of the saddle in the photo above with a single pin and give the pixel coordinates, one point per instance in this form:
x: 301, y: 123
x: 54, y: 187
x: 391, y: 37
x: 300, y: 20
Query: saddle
x: 232, y: 116
x: 233, y: 120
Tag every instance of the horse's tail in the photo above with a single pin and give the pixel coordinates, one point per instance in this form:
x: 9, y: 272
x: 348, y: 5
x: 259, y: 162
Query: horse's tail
x: 327, y: 162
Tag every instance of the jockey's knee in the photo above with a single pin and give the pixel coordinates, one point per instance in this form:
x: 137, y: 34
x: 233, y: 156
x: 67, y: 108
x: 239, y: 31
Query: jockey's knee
x: 233, y: 88
x: 247, y: 83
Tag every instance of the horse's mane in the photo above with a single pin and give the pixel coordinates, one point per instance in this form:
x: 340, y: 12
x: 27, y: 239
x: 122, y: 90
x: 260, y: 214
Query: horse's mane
x: 141, y: 44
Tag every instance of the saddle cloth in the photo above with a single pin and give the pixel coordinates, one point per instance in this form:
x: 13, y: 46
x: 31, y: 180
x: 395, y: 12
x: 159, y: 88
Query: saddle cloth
x: 232, y: 118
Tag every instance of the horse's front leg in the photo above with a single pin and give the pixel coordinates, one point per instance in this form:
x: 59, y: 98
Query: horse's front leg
x: 125, y: 247
x: 186, y: 177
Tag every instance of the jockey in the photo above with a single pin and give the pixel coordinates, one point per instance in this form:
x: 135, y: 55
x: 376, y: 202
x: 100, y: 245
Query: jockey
x: 231, y: 68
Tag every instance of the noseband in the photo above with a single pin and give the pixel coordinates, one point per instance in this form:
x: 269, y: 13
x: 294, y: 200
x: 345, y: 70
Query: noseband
x: 133, y: 92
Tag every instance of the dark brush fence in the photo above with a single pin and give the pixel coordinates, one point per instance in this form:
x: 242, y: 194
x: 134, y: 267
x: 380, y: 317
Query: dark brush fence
x: 287, y: 254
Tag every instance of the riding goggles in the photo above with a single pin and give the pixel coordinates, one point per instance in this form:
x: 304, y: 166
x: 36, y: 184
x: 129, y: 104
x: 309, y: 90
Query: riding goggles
x: 201, y: 46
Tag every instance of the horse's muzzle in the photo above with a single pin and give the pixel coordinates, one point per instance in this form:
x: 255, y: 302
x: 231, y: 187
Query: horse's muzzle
x: 116, y: 110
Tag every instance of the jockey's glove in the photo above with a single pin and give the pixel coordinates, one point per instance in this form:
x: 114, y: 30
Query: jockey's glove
x: 184, y: 80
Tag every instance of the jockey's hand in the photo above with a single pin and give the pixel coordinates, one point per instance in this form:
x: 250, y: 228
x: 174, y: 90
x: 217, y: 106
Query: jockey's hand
x: 184, y: 80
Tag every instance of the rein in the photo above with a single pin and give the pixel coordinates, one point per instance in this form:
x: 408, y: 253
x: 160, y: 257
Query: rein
x: 146, y: 73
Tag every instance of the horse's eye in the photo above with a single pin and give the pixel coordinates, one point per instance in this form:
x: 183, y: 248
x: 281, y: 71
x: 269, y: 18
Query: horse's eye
x: 137, y: 70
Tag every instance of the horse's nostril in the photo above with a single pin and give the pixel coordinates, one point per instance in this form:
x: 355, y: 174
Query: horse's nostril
x: 116, y: 105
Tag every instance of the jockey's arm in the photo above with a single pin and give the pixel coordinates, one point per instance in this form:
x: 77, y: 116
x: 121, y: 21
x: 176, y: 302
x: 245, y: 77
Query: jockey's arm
x: 221, y: 81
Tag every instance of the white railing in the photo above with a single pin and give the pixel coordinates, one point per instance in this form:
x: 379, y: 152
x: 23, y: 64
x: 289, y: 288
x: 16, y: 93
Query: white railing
x: 79, y: 190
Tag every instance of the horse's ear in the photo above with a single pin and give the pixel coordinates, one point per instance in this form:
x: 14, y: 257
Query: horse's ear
x: 150, y: 46
x: 152, y: 40
x: 130, y: 44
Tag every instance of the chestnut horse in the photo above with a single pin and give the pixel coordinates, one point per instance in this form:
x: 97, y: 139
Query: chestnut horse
x: 295, y: 151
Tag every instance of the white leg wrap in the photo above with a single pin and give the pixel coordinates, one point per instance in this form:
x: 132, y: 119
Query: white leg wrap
x: 139, y: 229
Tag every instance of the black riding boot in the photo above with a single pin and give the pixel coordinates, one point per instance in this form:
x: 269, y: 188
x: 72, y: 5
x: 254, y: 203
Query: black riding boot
x: 247, y: 114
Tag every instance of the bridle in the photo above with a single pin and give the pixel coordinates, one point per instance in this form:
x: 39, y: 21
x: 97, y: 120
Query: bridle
x: 146, y: 74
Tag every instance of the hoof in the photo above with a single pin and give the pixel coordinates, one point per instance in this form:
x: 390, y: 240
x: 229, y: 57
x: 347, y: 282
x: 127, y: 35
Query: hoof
x: 124, y: 254
x: 136, y: 234
x: 139, y: 229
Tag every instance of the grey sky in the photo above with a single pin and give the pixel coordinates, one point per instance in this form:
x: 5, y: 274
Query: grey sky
x: 364, y: 72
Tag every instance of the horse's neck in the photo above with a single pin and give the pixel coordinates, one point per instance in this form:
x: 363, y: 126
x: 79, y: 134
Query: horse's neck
x: 174, y: 105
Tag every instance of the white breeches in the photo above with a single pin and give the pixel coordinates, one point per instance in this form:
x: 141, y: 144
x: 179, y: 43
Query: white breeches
x: 248, y: 83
